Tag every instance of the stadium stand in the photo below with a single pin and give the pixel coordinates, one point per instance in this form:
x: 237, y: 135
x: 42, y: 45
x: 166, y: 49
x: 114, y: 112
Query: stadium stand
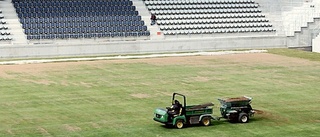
x: 57, y: 19
x: 4, y: 30
x: 208, y: 16
x: 182, y: 26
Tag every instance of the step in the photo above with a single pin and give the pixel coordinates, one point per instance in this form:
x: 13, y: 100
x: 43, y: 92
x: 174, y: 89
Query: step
x: 14, y: 26
x: 155, y: 32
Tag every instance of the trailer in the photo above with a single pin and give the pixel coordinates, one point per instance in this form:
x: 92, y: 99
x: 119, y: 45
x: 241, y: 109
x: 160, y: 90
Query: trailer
x: 236, y: 109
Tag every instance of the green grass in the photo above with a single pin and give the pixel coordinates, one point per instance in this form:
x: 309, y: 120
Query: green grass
x: 296, y: 53
x: 118, y: 99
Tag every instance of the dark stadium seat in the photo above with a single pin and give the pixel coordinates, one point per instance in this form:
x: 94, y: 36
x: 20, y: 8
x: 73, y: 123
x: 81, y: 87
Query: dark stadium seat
x: 73, y: 18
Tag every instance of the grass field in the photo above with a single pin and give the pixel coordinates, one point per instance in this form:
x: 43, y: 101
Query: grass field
x: 117, y: 97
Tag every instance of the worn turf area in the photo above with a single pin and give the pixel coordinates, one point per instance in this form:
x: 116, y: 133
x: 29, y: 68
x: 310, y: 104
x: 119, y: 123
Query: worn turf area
x: 117, y: 97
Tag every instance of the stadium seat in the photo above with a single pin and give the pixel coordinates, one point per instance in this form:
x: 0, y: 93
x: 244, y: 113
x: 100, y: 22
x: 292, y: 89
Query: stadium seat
x: 70, y: 19
x: 201, y: 14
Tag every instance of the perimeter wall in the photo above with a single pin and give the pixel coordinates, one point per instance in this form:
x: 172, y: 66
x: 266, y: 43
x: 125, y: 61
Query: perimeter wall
x: 141, y: 47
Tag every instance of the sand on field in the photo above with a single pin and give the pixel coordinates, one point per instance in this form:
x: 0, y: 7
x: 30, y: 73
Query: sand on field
x: 249, y: 58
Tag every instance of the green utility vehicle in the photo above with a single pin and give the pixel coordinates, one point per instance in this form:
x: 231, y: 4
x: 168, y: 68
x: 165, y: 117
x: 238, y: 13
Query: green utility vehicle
x: 236, y: 109
x: 232, y: 109
x: 193, y: 114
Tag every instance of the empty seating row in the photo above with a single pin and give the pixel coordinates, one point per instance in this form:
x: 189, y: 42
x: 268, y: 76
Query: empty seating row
x: 3, y: 27
x: 48, y: 1
x: 91, y: 35
x: 202, y: 6
x: 191, y: 2
x: 77, y: 14
x: 5, y: 32
x: 68, y: 9
x: 5, y: 37
x: 213, y: 31
x: 215, y: 26
x: 2, y: 21
x: 80, y: 19
x: 205, y: 11
x: 56, y: 3
x: 210, y: 16
x: 83, y: 24
x: 85, y: 30
x: 210, y: 21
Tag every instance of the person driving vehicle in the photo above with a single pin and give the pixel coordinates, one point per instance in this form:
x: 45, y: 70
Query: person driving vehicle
x: 175, y: 109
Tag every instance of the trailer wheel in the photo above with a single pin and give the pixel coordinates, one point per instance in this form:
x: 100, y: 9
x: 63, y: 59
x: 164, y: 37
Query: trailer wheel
x: 179, y: 124
x: 168, y: 125
x: 206, y: 121
x: 243, y: 118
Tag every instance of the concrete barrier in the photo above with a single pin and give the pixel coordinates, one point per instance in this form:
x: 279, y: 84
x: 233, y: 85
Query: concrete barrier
x: 141, y: 47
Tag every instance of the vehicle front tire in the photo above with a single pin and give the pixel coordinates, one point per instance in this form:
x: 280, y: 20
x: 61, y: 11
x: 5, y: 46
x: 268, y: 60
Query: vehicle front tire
x: 179, y: 124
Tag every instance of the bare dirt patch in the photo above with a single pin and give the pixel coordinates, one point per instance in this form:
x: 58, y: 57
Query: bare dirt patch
x: 266, y: 58
x: 10, y: 132
x: 34, y: 69
x: 8, y: 71
x: 41, y: 82
x: 4, y: 74
x: 140, y: 95
x: 10, y: 104
x: 87, y: 85
x: 43, y: 130
x: 201, y: 79
x: 64, y: 83
x: 71, y: 128
x: 82, y: 84
x: 95, y: 125
x: 183, y: 60
x: 163, y: 93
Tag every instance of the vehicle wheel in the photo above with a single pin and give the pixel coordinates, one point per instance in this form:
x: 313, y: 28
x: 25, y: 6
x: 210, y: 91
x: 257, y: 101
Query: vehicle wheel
x: 233, y: 118
x: 243, y: 118
x: 168, y: 125
x: 179, y: 124
x: 206, y: 121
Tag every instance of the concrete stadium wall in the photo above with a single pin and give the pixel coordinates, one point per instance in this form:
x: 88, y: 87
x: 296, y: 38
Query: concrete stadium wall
x: 141, y: 47
x: 304, y: 37
x: 278, y: 6
x: 316, y: 44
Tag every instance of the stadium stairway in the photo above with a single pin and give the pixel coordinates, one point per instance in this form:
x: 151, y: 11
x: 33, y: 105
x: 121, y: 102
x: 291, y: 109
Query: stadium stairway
x: 300, y: 16
x: 155, y: 32
x: 18, y: 37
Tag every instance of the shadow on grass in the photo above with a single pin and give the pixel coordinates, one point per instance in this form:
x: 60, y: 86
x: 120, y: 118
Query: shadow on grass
x: 213, y: 123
